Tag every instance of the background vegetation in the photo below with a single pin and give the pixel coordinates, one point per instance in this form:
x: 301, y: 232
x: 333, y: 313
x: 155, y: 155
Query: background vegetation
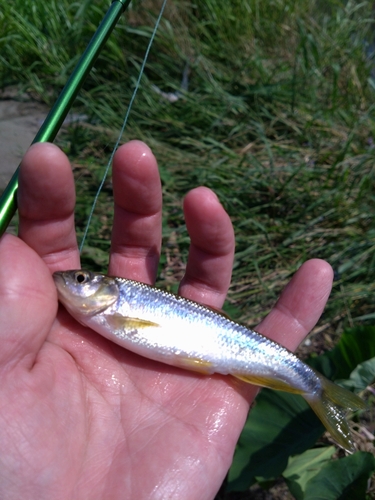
x: 278, y: 119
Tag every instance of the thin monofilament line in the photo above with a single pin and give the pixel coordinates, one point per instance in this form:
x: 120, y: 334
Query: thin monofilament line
x: 123, y: 126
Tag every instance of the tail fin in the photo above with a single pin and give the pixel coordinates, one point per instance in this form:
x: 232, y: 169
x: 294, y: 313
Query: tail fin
x: 330, y: 407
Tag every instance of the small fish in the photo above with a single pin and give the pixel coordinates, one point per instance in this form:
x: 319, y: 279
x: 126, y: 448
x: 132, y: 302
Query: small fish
x: 177, y: 331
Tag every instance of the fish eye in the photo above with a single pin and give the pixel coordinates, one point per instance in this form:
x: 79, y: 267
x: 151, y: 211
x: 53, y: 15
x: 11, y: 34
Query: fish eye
x: 81, y: 277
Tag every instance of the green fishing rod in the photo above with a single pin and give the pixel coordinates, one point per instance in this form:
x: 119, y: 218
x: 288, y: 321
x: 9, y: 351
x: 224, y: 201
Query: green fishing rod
x: 55, y: 118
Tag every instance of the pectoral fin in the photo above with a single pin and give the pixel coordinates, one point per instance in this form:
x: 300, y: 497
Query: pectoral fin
x: 119, y: 322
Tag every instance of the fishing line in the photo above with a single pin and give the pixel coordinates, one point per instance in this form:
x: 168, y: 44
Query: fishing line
x: 137, y: 85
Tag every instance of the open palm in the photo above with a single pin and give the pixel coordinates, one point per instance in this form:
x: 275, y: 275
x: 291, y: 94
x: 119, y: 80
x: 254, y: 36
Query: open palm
x: 82, y: 418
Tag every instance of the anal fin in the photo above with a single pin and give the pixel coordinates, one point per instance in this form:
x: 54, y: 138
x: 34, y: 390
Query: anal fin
x: 271, y: 383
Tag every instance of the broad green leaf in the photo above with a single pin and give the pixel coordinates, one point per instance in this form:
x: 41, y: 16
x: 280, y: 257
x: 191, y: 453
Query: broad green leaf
x: 344, y: 479
x: 302, y: 468
x: 280, y: 425
x: 355, y: 346
x: 361, y: 377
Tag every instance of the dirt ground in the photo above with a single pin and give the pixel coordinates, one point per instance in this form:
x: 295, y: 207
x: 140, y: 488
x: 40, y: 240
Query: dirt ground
x: 20, y: 120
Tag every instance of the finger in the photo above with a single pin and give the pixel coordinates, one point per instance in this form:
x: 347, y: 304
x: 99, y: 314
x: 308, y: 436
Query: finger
x: 209, y: 266
x: 136, y: 234
x: 300, y: 305
x: 28, y: 302
x: 46, y: 199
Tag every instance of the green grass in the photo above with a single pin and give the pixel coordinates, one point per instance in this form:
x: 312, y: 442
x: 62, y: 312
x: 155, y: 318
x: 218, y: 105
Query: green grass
x: 278, y: 120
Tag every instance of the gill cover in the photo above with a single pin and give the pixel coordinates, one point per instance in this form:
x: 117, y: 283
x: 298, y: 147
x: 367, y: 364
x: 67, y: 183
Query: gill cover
x: 85, y: 292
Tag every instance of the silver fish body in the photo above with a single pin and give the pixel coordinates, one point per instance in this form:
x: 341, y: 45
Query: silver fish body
x: 174, y: 330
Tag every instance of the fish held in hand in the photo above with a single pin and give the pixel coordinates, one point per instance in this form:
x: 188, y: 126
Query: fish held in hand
x: 177, y: 331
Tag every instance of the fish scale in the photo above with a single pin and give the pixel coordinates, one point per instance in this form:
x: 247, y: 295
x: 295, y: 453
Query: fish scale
x: 183, y: 333
x: 237, y: 347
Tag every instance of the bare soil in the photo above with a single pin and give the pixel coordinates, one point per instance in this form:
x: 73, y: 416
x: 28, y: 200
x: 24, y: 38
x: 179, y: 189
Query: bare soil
x: 20, y: 120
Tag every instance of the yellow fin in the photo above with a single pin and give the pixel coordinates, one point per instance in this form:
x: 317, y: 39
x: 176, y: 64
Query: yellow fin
x: 119, y: 322
x: 194, y: 364
x: 330, y: 407
x: 271, y: 383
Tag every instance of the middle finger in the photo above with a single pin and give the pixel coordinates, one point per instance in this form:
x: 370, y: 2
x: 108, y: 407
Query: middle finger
x: 136, y: 233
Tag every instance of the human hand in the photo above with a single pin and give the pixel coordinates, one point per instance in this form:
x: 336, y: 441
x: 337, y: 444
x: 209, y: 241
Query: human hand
x: 81, y: 417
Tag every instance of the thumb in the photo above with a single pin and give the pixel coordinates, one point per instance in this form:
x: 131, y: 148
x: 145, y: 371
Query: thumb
x: 28, y: 302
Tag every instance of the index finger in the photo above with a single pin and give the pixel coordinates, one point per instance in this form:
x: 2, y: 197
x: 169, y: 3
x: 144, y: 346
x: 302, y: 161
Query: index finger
x: 46, y: 199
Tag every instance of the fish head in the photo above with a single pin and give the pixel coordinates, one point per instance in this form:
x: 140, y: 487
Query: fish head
x: 85, y: 292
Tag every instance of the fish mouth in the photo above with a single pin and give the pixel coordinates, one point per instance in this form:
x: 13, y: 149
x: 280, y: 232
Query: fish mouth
x: 61, y: 285
x: 64, y: 293
x: 58, y: 278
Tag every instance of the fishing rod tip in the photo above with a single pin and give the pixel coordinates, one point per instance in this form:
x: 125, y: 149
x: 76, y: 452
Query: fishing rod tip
x: 124, y: 3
